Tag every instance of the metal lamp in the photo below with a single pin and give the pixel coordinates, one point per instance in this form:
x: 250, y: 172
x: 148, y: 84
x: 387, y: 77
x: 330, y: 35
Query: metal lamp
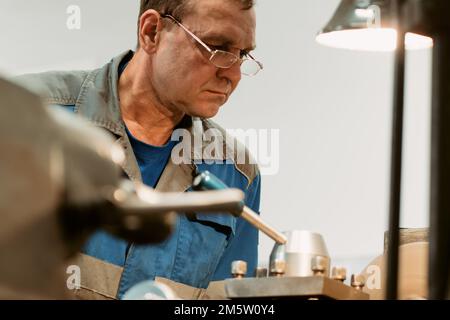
x: 369, y: 25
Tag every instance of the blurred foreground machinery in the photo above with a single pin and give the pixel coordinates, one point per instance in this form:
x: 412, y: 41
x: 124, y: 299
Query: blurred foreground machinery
x: 60, y: 180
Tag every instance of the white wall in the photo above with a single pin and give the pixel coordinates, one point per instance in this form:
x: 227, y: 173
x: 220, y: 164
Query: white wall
x: 333, y: 109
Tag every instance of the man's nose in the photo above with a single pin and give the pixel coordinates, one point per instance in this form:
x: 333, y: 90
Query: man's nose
x: 232, y: 74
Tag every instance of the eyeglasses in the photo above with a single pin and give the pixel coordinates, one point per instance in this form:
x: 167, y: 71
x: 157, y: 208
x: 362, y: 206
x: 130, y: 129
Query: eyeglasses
x: 224, y: 59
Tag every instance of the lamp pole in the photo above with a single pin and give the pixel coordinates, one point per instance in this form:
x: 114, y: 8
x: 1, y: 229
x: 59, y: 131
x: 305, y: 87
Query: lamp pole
x: 439, y: 252
x: 396, y: 158
x: 438, y: 271
x: 430, y: 17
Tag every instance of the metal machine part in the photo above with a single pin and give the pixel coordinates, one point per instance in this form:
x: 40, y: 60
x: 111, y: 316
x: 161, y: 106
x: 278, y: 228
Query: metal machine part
x: 277, y: 268
x: 291, y: 288
x: 61, y: 181
x: 238, y: 269
x: 207, y: 181
x: 358, y: 281
x: 299, y: 251
x: 339, y: 273
x: 138, y: 206
x: 141, y: 198
x: 413, y: 272
x: 260, y: 272
x: 298, y: 269
x: 319, y: 265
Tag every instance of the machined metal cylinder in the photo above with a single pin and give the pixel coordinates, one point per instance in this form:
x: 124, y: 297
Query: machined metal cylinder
x: 299, y: 251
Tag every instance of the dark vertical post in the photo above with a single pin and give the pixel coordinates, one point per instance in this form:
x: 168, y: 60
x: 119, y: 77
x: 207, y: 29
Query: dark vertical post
x: 396, y: 160
x: 440, y: 167
x: 432, y: 18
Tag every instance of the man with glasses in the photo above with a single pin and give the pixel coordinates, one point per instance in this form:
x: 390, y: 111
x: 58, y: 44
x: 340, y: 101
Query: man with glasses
x: 190, y: 57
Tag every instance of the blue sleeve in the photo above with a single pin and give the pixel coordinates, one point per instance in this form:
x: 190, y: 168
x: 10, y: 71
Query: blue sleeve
x: 244, y: 244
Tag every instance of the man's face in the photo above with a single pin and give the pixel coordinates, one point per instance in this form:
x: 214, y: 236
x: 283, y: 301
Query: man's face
x: 182, y: 75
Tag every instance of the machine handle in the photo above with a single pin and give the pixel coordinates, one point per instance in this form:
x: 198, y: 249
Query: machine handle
x: 207, y: 181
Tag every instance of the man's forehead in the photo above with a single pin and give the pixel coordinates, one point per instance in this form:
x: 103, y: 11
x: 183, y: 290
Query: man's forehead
x: 224, y: 21
x: 227, y: 40
x: 218, y: 8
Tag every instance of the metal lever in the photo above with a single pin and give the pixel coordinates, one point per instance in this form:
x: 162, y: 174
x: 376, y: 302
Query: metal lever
x: 139, y: 198
x: 208, y: 181
x: 143, y: 215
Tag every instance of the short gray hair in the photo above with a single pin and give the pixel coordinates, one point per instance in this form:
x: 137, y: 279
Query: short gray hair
x: 178, y: 8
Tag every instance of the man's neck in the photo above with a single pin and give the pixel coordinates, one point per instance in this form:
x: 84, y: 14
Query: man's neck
x: 145, y: 117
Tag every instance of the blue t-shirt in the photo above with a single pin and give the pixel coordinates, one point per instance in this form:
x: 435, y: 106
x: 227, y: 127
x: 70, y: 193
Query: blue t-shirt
x: 151, y: 159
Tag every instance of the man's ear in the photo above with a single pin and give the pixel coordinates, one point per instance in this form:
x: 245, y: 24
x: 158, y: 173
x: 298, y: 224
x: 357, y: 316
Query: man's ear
x: 150, y: 25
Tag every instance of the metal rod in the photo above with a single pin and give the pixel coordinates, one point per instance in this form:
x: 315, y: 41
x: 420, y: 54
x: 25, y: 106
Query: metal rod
x: 253, y: 218
x: 207, y: 181
x: 396, y: 163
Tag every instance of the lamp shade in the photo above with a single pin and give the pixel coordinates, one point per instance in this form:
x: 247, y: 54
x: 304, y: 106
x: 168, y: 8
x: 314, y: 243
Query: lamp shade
x: 368, y: 25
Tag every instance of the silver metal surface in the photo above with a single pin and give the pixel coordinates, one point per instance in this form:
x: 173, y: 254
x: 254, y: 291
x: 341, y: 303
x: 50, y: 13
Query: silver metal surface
x: 277, y: 268
x: 145, y: 200
x: 301, y: 247
x: 319, y: 265
x: 238, y: 269
x: 261, y: 272
x: 353, y: 14
x: 291, y: 287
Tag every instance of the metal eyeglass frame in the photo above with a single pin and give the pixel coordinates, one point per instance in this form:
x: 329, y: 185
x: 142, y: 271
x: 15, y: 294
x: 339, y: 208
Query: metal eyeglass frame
x: 214, y: 53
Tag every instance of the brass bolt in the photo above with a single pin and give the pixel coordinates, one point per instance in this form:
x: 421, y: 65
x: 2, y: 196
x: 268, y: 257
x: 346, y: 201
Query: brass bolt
x: 339, y: 273
x: 358, y: 281
x: 238, y: 269
x: 318, y: 265
x: 277, y: 268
